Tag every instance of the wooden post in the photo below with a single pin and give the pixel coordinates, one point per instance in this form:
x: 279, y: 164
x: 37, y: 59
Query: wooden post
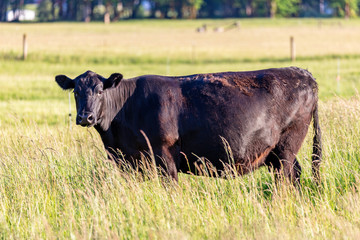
x: 25, y: 47
x: 338, y: 78
x: 107, y: 18
x: 292, y: 49
x: 69, y: 111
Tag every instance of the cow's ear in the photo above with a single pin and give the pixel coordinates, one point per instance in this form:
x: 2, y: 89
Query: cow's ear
x: 65, y: 82
x: 113, y: 80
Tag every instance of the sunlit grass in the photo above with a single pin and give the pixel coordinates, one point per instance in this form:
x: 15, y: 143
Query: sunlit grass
x: 254, y: 39
x: 56, y: 182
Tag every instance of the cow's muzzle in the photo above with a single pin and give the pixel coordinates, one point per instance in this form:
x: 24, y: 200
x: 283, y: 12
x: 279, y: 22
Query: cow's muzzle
x: 85, y: 120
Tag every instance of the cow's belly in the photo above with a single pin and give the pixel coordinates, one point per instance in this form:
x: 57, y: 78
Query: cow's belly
x: 247, y: 145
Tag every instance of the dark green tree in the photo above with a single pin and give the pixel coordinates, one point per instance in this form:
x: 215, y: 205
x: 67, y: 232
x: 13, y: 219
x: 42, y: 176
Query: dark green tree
x: 283, y: 8
x: 287, y: 8
x: 345, y: 8
x: 193, y: 7
x: 15, y: 6
x: 4, y: 4
x: 210, y: 8
x: 44, y: 11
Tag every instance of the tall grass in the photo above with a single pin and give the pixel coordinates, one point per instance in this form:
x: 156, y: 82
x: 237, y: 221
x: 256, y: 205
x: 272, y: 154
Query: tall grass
x: 56, y: 182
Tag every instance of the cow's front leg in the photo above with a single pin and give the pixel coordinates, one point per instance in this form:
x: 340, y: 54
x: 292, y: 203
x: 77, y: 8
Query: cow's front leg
x: 167, y: 157
x: 112, y: 155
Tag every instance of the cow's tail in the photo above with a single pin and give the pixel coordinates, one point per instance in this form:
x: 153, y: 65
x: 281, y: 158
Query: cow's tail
x: 317, y: 151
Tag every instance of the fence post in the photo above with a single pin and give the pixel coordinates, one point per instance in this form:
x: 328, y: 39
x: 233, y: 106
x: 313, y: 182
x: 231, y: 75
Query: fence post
x: 338, y: 78
x: 107, y: 18
x: 69, y: 111
x: 292, y: 49
x: 25, y: 47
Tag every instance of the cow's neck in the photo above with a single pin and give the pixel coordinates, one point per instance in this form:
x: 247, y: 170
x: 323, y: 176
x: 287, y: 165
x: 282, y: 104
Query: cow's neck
x: 114, y: 100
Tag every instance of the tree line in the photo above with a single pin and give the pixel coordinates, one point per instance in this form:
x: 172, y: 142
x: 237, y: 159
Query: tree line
x: 113, y: 10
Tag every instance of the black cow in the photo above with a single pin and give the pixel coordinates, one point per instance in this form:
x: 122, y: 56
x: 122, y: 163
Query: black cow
x: 260, y: 117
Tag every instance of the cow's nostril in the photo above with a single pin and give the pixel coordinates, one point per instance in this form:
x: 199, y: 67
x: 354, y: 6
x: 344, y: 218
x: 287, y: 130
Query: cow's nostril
x: 90, y: 118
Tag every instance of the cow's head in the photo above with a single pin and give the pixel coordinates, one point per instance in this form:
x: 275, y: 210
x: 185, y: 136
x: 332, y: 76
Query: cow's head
x: 89, y: 90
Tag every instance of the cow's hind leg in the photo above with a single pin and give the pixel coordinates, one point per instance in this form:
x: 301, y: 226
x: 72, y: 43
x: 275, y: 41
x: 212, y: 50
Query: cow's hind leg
x: 278, y: 164
x: 283, y: 157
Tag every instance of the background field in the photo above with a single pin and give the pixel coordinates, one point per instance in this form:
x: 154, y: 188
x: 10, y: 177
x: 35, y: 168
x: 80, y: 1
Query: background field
x: 55, y: 182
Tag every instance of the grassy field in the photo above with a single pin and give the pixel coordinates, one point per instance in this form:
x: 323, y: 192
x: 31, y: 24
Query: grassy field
x: 55, y: 182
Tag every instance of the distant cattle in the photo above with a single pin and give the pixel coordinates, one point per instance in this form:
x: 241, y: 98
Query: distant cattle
x: 240, y: 119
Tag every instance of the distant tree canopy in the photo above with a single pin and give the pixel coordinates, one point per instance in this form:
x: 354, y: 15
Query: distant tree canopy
x: 97, y: 10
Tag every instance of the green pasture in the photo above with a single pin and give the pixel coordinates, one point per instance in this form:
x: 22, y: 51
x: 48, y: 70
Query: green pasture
x: 55, y: 181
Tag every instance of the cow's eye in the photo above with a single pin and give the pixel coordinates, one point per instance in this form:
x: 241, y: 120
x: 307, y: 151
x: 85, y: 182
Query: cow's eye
x: 76, y: 95
x: 100, y: 92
